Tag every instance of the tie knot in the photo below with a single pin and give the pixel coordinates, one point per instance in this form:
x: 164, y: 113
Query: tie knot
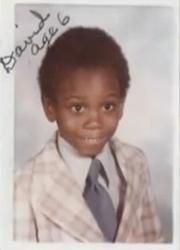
x: 95, y: 169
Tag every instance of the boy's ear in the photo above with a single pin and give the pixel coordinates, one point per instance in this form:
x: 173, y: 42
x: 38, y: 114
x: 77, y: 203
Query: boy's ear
x: 48, y: 108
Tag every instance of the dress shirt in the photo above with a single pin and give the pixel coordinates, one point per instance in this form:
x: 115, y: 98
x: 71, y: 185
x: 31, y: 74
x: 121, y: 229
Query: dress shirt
x: 79, y: 166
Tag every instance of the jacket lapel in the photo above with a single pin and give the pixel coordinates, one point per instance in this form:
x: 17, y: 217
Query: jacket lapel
x: 128, y: 199
x: 61, y: 199
x: 120, y: 164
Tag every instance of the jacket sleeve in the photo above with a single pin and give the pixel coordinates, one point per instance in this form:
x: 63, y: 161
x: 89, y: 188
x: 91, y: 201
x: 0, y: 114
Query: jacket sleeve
x: 24, y: 222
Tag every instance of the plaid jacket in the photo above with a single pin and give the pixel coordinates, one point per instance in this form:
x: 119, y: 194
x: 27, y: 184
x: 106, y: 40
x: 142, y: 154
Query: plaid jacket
x: 48, y: 203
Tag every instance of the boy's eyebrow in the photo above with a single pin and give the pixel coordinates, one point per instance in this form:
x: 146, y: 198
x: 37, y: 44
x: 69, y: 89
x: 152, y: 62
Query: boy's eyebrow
x: 72, y: 98
x: 114, y: 94
x: 82, y: 97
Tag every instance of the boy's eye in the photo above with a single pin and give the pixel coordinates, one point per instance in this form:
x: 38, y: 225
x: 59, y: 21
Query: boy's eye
x: 108, y: 106
x: 77, y: 108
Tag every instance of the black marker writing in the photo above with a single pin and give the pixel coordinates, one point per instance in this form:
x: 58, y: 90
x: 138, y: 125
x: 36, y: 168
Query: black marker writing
x: 46, y: 39
x: 9, y: 61
x: 63, y: 21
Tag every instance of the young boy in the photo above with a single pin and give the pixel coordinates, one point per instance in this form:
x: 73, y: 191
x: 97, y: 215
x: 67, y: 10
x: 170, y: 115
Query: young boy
x: 85, y: 185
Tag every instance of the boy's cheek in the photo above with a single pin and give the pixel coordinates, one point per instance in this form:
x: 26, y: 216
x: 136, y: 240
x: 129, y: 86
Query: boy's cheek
x: 112, y: 122
x: 67, y: 124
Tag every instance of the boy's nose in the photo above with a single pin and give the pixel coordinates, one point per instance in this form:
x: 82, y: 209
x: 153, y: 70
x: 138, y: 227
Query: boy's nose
x: 94, y: 120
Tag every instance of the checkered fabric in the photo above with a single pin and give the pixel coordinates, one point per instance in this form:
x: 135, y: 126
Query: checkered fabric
x: 49, y: 206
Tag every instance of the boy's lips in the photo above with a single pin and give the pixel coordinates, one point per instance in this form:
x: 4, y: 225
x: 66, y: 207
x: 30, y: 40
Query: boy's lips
x: 93, y: 140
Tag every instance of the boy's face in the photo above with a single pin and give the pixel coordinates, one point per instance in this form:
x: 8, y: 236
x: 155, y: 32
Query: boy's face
x: 87, y: 109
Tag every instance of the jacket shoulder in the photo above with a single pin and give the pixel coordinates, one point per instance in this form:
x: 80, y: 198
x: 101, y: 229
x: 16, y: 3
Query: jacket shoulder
x: 38, y: 166
x: 24, y: 174
x: 128, y: 151
x: 132, y: 160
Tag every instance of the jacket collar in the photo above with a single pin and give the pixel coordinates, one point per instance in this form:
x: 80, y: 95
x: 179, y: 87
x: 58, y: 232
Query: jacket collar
x: 60, y: 198
x: 67, y: 211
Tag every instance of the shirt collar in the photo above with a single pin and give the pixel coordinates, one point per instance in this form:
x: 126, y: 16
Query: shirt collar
x: 78, y: 164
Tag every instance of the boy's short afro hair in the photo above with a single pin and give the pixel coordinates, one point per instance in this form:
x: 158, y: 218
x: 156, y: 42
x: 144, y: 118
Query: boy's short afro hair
x: 81, y: 47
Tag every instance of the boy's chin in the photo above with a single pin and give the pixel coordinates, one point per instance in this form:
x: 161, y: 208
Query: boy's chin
x: 90, y: 151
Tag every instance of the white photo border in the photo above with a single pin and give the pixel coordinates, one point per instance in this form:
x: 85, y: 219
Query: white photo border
x: 7, y: 135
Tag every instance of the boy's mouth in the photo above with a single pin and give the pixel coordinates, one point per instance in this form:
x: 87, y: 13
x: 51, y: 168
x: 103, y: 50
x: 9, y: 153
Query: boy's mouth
x: 93, y: 140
